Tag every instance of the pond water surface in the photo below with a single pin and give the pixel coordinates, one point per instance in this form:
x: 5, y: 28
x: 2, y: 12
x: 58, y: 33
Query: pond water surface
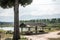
x: 11, y: 28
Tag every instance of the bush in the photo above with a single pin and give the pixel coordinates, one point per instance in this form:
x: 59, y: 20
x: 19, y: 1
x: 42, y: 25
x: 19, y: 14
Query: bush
x: 23, y: 39
x: 2, y: 31
x: 28, y: 33
x: 9, y: 32
x: 41, y: 31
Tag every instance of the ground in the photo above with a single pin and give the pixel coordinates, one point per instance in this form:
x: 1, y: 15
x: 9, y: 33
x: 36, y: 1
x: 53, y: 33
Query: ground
x: 38, y: 37
x: 44, y: 36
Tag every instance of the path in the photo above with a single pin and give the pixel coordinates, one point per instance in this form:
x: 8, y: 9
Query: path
x: 44, y: 36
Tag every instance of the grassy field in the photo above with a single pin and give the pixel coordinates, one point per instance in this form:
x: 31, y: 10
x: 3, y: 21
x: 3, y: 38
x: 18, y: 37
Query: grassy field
x: 10, y: 36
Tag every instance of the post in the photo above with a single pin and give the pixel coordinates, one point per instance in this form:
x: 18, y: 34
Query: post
x: 36, y: 29
x: 29, y: 29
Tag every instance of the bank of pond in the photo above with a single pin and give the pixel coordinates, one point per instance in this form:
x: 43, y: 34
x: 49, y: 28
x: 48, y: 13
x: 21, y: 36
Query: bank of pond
x: 27, y: 31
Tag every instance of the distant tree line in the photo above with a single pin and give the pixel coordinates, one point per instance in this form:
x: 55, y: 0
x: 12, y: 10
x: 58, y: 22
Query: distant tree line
x: 6, y: 24
x: 47, y: 21
x: 53, y: 20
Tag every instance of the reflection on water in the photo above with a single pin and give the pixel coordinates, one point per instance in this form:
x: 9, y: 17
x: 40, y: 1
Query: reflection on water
x: 12, y: 28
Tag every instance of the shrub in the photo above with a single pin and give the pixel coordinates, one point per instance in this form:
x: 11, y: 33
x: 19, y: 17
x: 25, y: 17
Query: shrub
x: 28, y: 33
x: 42, y: 31
x: 9, y: 32
x: 2, y: 31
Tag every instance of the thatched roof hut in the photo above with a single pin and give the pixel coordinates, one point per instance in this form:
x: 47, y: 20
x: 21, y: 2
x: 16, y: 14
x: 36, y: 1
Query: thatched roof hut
x: 33, y: 24
x: 22, y: 25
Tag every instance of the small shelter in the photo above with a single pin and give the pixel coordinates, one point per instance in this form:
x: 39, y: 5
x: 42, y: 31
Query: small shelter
x: 32, y: 25
x: 22, y: 25
x: 36, y: 26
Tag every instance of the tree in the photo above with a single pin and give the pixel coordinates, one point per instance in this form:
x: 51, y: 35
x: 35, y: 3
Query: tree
x: 15, y: 3
x: 58, y: 20
x: 53, y: 20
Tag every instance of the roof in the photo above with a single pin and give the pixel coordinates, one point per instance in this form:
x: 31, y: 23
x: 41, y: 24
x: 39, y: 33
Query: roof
x: 31, y: 24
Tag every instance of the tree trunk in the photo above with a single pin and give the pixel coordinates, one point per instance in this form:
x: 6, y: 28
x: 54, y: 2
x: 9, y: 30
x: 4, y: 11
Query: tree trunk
x: 16, y: 35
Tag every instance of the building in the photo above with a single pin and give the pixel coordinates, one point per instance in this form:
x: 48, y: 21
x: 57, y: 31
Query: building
x: 31, y: 24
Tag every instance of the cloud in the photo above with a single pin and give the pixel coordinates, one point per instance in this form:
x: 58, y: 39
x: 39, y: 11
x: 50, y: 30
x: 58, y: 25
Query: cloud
x: 29, y: 17
x: 6, y: 12
x: 42, y: 7
x: 6, y: 19
x: 37, y: 9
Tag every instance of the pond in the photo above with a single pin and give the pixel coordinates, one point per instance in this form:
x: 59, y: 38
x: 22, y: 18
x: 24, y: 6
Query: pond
x: 11, y: 28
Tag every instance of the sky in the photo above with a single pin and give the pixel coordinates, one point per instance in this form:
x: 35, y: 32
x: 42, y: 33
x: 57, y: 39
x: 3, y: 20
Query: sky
x: 38, y: 9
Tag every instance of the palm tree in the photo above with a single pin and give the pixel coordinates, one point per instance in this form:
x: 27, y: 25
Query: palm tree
x: 15, y: 3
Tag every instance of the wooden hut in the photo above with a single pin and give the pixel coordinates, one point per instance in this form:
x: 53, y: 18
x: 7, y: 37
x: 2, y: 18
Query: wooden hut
x: 22, y: 25
x: 33, y: 25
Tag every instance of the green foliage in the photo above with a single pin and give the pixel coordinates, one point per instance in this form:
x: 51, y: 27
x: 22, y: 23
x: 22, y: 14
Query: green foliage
x: 22, y: 25
x: 6, y: 24
x: 20, y: 39
x: 10, y: 3
x: 9, y: 32
x: 49, y: 22
x: 23, y: 39
x: 2, y: 31
x: 53, y: 20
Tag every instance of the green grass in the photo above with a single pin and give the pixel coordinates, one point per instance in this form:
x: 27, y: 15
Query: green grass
x: 19, y: 39
x: 2, y: 31
x: 23, y: 39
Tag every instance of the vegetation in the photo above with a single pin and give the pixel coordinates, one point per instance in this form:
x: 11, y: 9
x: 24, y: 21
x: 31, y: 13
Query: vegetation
x: 23, y: 39
x: 6, y: 24
x: 50, y: 21
x: 54, y: 22
x: 2, y: 31
x: 8, y: 35
x: 9, y: 32
x: 15, y: 4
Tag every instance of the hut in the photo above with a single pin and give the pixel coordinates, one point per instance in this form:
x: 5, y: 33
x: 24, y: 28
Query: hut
x: 22, y: 25
x: 33, y: 25
x: 36, y: 26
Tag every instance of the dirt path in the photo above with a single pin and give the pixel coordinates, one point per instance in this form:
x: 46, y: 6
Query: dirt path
x: 44, y: 36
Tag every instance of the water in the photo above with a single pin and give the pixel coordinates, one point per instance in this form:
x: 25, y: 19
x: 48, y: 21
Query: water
x: 12, y: 28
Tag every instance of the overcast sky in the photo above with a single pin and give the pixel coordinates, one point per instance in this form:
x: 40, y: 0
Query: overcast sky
x: 39, y: 9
